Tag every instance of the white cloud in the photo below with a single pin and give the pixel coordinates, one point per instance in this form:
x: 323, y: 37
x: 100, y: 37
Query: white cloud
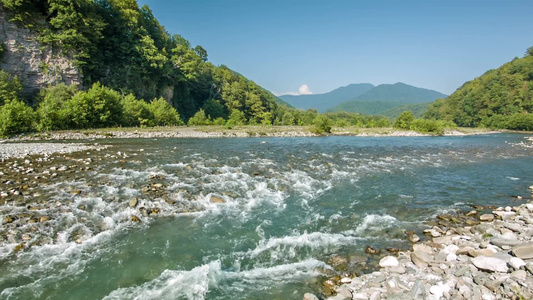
x: 303, y: 90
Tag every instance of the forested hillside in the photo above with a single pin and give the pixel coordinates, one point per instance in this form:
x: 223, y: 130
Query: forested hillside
x: 123, y: 47
x: 500, y: 98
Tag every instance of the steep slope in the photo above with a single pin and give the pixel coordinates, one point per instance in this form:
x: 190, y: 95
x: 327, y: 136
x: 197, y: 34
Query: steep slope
x: 500, y: 98
x: 322, y: 102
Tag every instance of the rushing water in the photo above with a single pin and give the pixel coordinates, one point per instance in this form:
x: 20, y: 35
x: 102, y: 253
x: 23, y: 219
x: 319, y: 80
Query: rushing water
x: 292, y: 206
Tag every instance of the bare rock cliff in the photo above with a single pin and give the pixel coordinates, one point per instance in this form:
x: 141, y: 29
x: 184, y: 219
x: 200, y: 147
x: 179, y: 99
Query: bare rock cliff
x: 37, y: 65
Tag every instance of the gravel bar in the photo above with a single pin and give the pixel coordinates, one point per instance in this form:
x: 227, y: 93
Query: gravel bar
x: 20, y: 150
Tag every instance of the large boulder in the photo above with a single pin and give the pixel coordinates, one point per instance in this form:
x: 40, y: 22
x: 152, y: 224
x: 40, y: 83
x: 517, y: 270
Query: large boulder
x: 523, y: 251
x: 491, y: 264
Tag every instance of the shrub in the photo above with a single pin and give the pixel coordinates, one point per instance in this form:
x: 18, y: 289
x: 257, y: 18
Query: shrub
x: 404, y: 120
x: 321, y: 125
x: 51, y: 102
x: 136, y: 112
x: 199, y: 119
x: 98, y: 107
x: 428, y: 126
x: 164, y: 114
x: 16, y: 117
x: 219, y: 121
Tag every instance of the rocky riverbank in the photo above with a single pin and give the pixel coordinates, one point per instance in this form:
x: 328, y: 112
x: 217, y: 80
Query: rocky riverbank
x: 486, y: 253
x: 222, y: 132
x: 20, y: 150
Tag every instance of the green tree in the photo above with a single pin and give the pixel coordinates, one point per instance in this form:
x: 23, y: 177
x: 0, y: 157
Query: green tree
x: 321, y: 125
x: 16, y: 117
x: 136, y: 112
x: 164, y: 114
x: 404, y: 120
x: 98, y: 107
x: 199, y: 119
x: 10, y: 87
x: 50, y: 109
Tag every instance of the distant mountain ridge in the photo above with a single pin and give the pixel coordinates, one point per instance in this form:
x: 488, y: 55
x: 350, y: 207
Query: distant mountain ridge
x: 400, y: 92
x: 367, y: 99
x: 323, y: 102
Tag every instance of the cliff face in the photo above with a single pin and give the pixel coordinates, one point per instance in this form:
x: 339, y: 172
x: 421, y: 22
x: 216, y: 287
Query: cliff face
x: 36, y: 65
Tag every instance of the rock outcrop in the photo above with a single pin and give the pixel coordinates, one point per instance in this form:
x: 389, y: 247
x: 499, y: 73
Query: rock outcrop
x: 36, y: 65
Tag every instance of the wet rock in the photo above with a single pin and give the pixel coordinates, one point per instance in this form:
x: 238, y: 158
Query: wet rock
x: 491, y: 264
x: 9, y: 219
x: 371, y: 250
x: 135, y: 219
x: 133, y: 202
x: 413, y: 238
x: 44, y: 219
x: 308, y: 296
x: 523, y: 251
x: 328, y: 287
x: 388, y: 261
x: 215, y: 199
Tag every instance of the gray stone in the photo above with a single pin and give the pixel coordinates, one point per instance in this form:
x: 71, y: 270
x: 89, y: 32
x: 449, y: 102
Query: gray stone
x: 464, y: 250
x: 418, y: 291
x: 513, y: 226
x: 486, y: 217
x: 504, y: 242
x: 462, y: 271
x: 388, y: 261
x: 308, y: 296
x: 524, y: 251
x: 491, y: 264
x: 421, y: 258
x: 481, y: 252
x: 398, y: 270
x: 345, y: 292
x: 423, y: 248
x: 443, y: 240
x: 519, y: 274
x: 516, y: 263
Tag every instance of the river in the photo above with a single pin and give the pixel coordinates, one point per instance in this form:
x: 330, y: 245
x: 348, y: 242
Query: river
x: 244, y: 218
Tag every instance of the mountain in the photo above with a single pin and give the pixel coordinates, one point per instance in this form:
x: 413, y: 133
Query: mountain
x: 322, y: 102
x: 400, y: 92
x: 500, y: 98
x: 386, y: 99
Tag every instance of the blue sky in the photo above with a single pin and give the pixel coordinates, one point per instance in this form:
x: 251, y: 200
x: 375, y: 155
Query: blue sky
x: 325, y: 44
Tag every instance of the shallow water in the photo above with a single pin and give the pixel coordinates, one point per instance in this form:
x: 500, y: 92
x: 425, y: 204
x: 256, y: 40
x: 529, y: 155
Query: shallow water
x: 292, y: 206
